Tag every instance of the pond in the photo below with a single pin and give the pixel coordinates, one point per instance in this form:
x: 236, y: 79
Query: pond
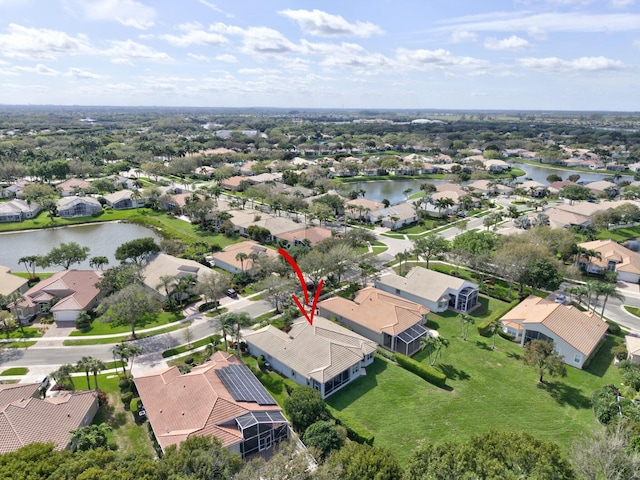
x: 101, y: 238
x: 390, y: 189
x: 539, y: 173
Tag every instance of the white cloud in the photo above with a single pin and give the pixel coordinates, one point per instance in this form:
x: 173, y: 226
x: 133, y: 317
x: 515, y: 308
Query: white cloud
x: 40, y: 69
x: 263, y: 41
x: 199, y: 58
x: 228, y: 58
x: 323, y: 24
x: 438, y: 59
x: 124, y: 52
x: 583, y: 64
x: 352, y: 55
x: 215, y: 8
x: 459, y: 36
x: 41, y: 44
x: 544, y: 22
x: 258, y: 71
x: 126, y: 12
x: 194, y: 35
x: 82, y: 74
x: 511, y: 43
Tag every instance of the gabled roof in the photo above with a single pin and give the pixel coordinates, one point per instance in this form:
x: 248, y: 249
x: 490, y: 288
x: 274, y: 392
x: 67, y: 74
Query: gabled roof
x: 76, y: 288
x: 118, y: 196
x: 26, y: 419
x: 583, y: 331
x: 626, y: 260
x: 377, y: 311
x: 18, y: 205
x: 68, y: 202
x: 9, y: 283
x: 72, y: 183
x: 364, y: 203
x: 319, y: 351
x: 313, y: 234
x: 197, y: 403
x: 425, y: 283
x: 633, y: 344
x: 162, y: 264
x: 402, y: 210
x: 228, y: 255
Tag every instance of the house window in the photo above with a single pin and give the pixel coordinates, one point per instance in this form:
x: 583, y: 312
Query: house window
x: 397, y: 291
x: 577, y: 358
x: 293, y: 374
x: 355, y: 369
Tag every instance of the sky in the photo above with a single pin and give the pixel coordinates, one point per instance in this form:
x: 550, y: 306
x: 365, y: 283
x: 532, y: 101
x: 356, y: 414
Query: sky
x: 400, y: 54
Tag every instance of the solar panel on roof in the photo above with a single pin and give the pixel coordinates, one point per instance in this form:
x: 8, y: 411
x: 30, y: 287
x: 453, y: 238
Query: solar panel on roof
x: 243, y: 385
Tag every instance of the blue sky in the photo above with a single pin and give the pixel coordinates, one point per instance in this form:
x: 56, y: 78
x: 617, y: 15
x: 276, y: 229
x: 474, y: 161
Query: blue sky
x: 455, y: 54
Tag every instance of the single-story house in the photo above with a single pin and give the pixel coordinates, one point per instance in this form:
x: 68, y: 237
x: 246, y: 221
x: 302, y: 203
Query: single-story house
x: 392, y: 322
x: 228, y: 261
x: 72, y: 186
x: 576, y: 334
x: 10, y: 283
x: 398, y: 215
x: 324, y: 356
x: 123, y: 199
x: 233, y: 183
x: 489, y: 187
x: 602, y: 187
x: 15, y: 190
x: 560, y: 218
x: 243, y: 219
x: 221, y: 398
x: 534, y: 189
x: 614, y: 257
x: 71, y: 207
x: 307, y: 236
x: 26, y: 418
x: 17, y: 210
x: 265, y: 178
x: 496, y: 166
x: 64, y: 294
x: 362, y: 208
x: 632, y: 341
x: 178, y: 201
x: 436, y: 291
x: 162, y: 265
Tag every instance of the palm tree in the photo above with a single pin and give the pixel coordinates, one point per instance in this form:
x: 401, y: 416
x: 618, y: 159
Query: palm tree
x: 466, y: 320
x: 608, y: 290
x: 241, y: 257
x: 85, y: 364
x: 97, y: 366
x: 226, y: 325
x: 133, y: 352
x: 121, y: 350
x: 494, y: 328
x: 436, y: 346
x: 63, y: 375
x: 166, y: 282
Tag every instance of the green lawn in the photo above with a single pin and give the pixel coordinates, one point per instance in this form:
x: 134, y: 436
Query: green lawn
x: 25, y: 332
x: 124, y: 338
x: 632, y: 310
x: 100, y: 328
x: 486, y: 390
x: 17, y: 344
x: 128, y: 436
x: 43, y: 221
x: 15, y: 371
x: 620, y: 234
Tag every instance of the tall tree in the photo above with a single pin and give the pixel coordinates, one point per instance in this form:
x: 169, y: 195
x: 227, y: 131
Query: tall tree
x: 430, y: 246
x: 543, y: 356
x: 85, y: 364
x: 67, y: 254
x: 213, y: 285
x: 466, y: 320
x: 137, y: 251
x: 63, y: 375
x: 98, y: 262
x: 131, y: 305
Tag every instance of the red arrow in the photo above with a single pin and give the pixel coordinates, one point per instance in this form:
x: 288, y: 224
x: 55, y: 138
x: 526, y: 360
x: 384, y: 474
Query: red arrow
x: 303, y: 284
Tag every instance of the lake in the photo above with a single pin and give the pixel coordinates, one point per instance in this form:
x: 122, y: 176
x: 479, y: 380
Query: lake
x: 390, y: 189
x: 101, y: 238
x: 539, y: 173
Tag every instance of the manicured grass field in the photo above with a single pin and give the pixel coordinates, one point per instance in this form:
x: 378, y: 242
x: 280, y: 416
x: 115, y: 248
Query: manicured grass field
x: 620, y: 234
x: 487, y: 389
x: 43, y: 221
x: 632, y: 310
x: 17, y: 344
x: 100, y: 328
x: 25, y: 332
x: 15, y: 371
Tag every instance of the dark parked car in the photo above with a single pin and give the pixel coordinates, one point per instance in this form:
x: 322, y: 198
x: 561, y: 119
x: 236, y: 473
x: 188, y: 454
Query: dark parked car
x: 232, y: 293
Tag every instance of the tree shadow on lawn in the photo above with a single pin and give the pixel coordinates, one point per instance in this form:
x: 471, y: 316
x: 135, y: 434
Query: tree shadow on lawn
x: 452, y: 372
x: 601, y: 362
x: 345, y: 396
x: 565, y: 394
x: 514, y: 355
x: 483, y: 345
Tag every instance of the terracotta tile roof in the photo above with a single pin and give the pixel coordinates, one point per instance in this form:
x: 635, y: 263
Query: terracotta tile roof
x: 633, y: 344
x: 72, y: 183
x: 377, y: 310
x: 162, y: 264
x: 314, y: 234
x: 228, y: 255
x: 25, y: 419
x: 583, y: 331
x: 76, y: 288
x: 9, y: 283
x: 364, y: 203
x: 319, y: 351
x: 626, y: 260
x: 197, y: 403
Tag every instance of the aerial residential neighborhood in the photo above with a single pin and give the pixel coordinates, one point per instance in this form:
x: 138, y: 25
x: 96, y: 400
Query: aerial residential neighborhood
x: 351, y: 240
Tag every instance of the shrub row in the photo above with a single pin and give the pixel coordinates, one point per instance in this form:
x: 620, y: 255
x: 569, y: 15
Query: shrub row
x: 356, y: 432
x: 426, y: 372
x: 483, y: 327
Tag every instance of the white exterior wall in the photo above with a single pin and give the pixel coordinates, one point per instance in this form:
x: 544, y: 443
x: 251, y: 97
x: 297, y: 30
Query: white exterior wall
x: 565, y: 350
x: 628, y: 277
x: 433, y: 306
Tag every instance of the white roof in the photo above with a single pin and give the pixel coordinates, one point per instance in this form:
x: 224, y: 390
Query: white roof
x: 319, y: 351
x: 424, y: 283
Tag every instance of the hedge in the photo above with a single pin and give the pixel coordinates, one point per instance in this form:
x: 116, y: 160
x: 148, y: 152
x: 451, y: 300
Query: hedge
x: 356, y: 432
x: 426, y: 372
x: 483, y: 327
